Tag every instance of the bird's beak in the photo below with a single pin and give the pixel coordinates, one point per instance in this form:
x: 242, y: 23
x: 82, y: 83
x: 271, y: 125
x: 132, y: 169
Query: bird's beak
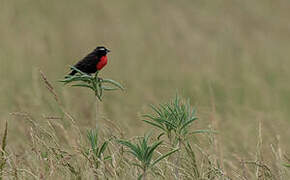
x: 108, y: 50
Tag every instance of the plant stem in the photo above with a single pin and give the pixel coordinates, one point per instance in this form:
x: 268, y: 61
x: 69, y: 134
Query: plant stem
x: 144, y: 173
x: 177, y: 161
x: 97, y: 112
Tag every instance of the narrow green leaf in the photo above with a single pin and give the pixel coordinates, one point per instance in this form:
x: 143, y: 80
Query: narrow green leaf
x: 203, y: 131
x: 164, y: 156
x: 100, y: 89
x: 154, y: 124
x: 156, y: 109
x: 140, y: 177
x: 138, y: 165
x: 103, y: 148
x: 170, y: 124
x: 109, y: 88
x: 83, y: 85
x: 160, y: 135
x: 186, y: 124
x: 113, y: 82
x: 151, y: 150
x: 131, y: 146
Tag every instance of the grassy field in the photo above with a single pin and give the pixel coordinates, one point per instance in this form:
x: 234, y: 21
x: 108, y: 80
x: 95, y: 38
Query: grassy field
x: 229, y: 58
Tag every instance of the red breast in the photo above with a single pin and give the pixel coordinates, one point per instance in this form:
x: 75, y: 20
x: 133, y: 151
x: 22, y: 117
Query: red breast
x: 103, y: 61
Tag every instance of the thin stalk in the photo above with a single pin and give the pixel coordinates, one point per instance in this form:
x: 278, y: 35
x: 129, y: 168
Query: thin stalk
x: 144, y: 173
x: 97, y: 111
x: 97, y: 100
x: 177, y: 162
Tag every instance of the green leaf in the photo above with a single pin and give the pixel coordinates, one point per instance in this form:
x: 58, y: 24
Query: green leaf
x: 134, y: 149
x: 286, y: 165
x: 152, y: 149
x: 202, y: 131
x: 100, y: 89
x: 113, y: 82
x: 186, y: 124
x: 160, y: 135
x: 156, y: 109
x: 164, y: 156
x: 83, y: 85
x: 93, y: 138
x: 138, y: 165
x: 172, y: 125
x: 103, y: 148
x: 149, y: 116
x: 154, y: 124
x: 140, y: 177
x: 109, y: 88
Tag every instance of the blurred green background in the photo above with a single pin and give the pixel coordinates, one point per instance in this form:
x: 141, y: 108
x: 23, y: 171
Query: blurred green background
x: 230, y: 58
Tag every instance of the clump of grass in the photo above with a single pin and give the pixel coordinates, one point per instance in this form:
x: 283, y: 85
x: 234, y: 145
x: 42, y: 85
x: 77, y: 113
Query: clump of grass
x: 143, y: 152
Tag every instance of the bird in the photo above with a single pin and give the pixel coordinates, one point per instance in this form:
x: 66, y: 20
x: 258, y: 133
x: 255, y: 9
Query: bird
x: 93, y: 62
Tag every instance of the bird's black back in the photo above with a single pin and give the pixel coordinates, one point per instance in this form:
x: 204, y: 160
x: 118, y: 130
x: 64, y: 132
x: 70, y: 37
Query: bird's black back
x: 88, y: 64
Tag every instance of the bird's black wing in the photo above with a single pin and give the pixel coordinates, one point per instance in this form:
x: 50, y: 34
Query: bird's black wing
x: 87, y: 64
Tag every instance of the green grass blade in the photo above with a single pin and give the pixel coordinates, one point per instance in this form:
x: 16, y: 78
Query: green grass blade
x: 203, y: 131
x: 154, y: 124
x: 109, y: 88
x: 186, y: 124
x: 156, y: 109
x: 102, y: 149
x: 134, y: 149
x: 113, y: 82
x: 138, y: 165
x: 164, y: 156
x: 83, y: 85
x: 151, y: 150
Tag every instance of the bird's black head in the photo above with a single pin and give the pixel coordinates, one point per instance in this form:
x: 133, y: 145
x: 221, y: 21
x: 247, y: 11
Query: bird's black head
x: 101, y: 50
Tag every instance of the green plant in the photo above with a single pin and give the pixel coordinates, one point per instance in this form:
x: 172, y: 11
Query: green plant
x: 144, y: 153
x: 96, y: 153
x: 174, y: 120
x: 96, y: 84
